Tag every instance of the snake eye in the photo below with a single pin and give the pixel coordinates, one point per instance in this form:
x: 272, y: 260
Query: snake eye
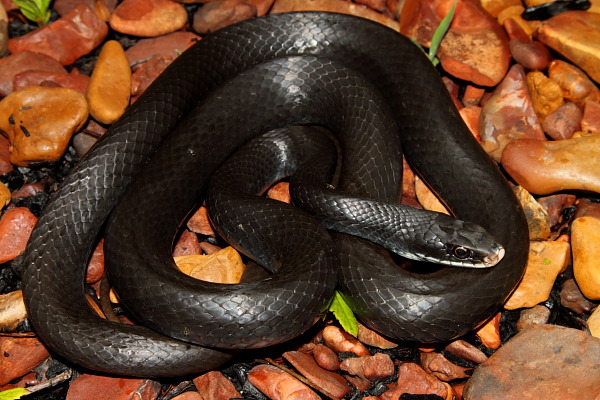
x: 461, y: 252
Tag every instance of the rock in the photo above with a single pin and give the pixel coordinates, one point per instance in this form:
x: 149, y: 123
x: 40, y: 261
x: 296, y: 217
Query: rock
x: 20, y: 355
x: 214, y: 386
x: 5, y: 165
x: 514, y: 13
x: 537, y: 218
x: 95, y: 268
x: 62, y: 7
x: 572, y: 298
x: 3, y: 32
x: 373, y: 339
x: 439, y: 366
x: 531, y: 54
x: 200, y: 223
x: 585, y: 236
x: 338, y: 6
x: 66, y: 39
x: 546, y: 260
x: 575, y: 35
x: 5, y: 196
x: 12, y: 310
x: 471, y: 115
x: 105, y: 387
x: 594, y: 323
x: 373, y: 368
x: 326, y: 358
x: 489, y: 333
x: 218, y: 14
x: 280, y: 191
x: 466, y: 350
x: 341, y: 342
x: 563, y: 122
x: 187, y: 244
x: 144, y: 74
x: 541, y: 362
x: 590, y: 122
x: 168, y: 46
x: 544, y: 167
x: 575, y: 84
x: 110, y: 84
x: 546, y: 94
x: 188, y: 396
x: 224, y: 266
x: 427, y: 198
x: 324, y: 380
x: 148, y: 18
x: 74, y: 80
x: 28, y: 189
x: 514, y: 30
x: 474, y: 49
x: 587, y: 207
x: 40, y: 121
x: 14, y: 64
x: 16, y: 225
x: 537, y: 315
x: 554, y: 205
x: 413, y: 379
x: 508, y: 115
x: 495, y: 6
x: 278, y: 385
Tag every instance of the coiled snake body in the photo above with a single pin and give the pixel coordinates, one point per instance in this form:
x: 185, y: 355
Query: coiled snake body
x: 418, y: 307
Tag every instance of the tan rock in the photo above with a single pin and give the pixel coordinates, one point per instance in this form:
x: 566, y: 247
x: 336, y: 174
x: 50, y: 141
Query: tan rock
x: 537, y: 218
x: 489, y: 333
x: 427, y: 198
x: 546, y: 94
x: 546, y: 261
x: 148, y: 17
x: 40, y: 121
x: 585, y: 236
x: 594, y: 323
x: 200, y: 223
x: 575, y: 84
x: 514, y: 12
x: 16, y: 225
x: 5, y: 196
x: 110, y: 84
x: 575, y: 35
x: 340, y: 341
x: 224, y: 266
x: 12, y: 310
x: 495, y: 6
x: 536, y: 315
x: 544, y: 167
x: 278, y: 385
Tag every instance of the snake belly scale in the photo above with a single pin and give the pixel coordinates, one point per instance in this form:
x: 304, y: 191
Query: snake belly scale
x: 427, y: 307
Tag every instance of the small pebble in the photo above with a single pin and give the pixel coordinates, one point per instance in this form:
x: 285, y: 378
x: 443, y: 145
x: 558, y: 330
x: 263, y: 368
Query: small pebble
x: 330, y: 382
x: 466, y: 350
x: 590, y: 122
x: 221, y: 13
x: 575, y: 84
x: 546, y: 94
x: 19, y: 356
x: 414, y: 380
x: 489, y: 333
x: 572, y: 298
x: 546, y: 261
x: 563, y: 122
x: 439, y: 366
x: 341, y: 342
x: 531, y: 54
x: 16, y: 225
x: 373, y: 368
x: 148, y: 18
x: 214, y: 385
x: 200, y: 223
x: 110, y: 84
x: 326, y: 358
x: 96, y: 386
x: 537, y: 315
x: 278, y: 385
x: 537, y: 217
x: 15, y: 64
x: 585, y: 236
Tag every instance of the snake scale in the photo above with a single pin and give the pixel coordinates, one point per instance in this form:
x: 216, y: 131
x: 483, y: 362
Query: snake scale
x: 275, y: 52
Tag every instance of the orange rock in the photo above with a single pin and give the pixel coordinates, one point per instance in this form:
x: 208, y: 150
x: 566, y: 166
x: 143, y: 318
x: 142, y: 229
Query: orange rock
x: 372, y: 338
x: 224, y: 266
x: 5, y: 196
x: 280, y: 191
x: 278, y: 385
x: 373, y: 368
x: 39, y: 122
x: 20, y: 355
x: 218, y: 14
x: 575, y: 84
x: 340, y: 341
x: 200, y: 223
x: 508, y: 115
x: 5, y: 165
x: 514, y: 30
x: 537, y: 218
x: 187, y: 244
x: 110, y: 84
x: 338, y: 6
x: 325, y: 357
x: 14, y: 64
x: 585, y: 236
x: 546, y: 261
x: 427, y: 198
x: 514, y: 12
x: 95, y: 386
x: 66, y: 39
x: 495, y: 6
x: 544, y: 167
x: 466, y: 350
x: 471, y: 115
x: 148, y: 17
x: 590, y: 122
x: 327, y: 381
x: 95, y: 268
x: 262, y: 6
x: 489, y: 333
x: 439, y: 366
x: 214, y: 386
x: 414, y: 380
x: 472, y: 95
x: 16, y: 225
x: 546, y: 94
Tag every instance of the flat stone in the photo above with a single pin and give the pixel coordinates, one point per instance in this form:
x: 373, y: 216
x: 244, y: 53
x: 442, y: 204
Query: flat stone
x: 541, y: 362
x: 575, y: 84
x: 544, y: 167
x: 90, y: 386
x: 223, y: 266
x: 200, y: 223
x: 545, y: 93
x: 474, y: 49
x: 15, y: 64
x: 590, y: 121
x: 538, y: 221
x: 16, y: 225
x: 572, y: 298
x: 536, y: 315
x: 110, y: 84
x: 19, y: 356
x: 148, y: 18
x: 73, y: 80
x: 66, y: 39
x: 341, y: 342
x: 439, y: 366
x: 575, y: 35
x: 278, y: 385
x: 40, y: 121
x: 508, y: 114
x: 585, y: 236
x: 546, y: 261
x: 168, y: 46
x: 328, y: 381
x: 221, y: 13
x: 489, y: 333
x: 563, y: 122
x: 555, y: 205
x: 413, y: 379
x: 214, y: 386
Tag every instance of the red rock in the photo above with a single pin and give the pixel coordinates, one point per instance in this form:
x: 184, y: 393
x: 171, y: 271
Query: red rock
x: 62, y: 7
x: 214, y: 386
x: 28, y: 189
x: 372, y: 338
x: 377, y: 5
x: 3, y: 32
x: 200, y: 223
x: 218, y: 14
x: 326, y: 358
x: 187, y: 244
x: 554, y: 205
x: 376, y: 367
x: 439, y: 366
x: 414, y: 380
x: 465, y: 350
x: 168, y: 46
x: 531, y: 54
x: 262, y: 6
x: 16, y: 225
x: 95, y: 268
x: 472, y: 115
x: 14, y: 64
x: 508, y: 115
x: 474, y: 49
x: 144, y: 74
x: 96, y: 387
x: 472, y: 95
x: 340, y: 341
x: 148, y: 18
x: 75, y: 81
x: 563, y: 122
x: 66, y: 39
x: 188, y: 396
x: 591, y: 117
x: 19, y: 356
x: 278, y: 385
x: 572, y: 298
x: 540, y: 362
x: 5, y: 165
x: 280, y: 191
x: 9, y: 5
x: 328, y: 381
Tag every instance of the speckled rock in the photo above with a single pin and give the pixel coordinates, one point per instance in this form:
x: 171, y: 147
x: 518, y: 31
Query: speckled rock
x: 15, y: 64
x: 110, y: 84
x: 148, y: 18
x: 20, y: 355
x: 16, y: 225
x: 541, y: 362
x: 90, y: 386
x: 508, y: 115
x: 546, y: 260
x: 66, y: 39
x: 40, y: 121
x: 546, y: 94
x: 218, y: 14
x: 585, y: 236
x: 537, y: 217
x: 278, y: 385
x: 544, y: 167
x: 563, y: 122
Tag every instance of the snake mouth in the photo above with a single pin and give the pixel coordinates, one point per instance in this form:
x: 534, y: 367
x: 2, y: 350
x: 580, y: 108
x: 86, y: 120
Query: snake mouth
x: 495, y: 258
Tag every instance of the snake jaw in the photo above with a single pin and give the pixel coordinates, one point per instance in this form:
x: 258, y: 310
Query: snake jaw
x: 495, y: 258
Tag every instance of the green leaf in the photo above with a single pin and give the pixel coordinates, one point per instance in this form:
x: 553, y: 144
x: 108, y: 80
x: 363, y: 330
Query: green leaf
x: 343, y: 313
x: 35, y: 10
x: 12, y: 394
x: 440, y: 32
